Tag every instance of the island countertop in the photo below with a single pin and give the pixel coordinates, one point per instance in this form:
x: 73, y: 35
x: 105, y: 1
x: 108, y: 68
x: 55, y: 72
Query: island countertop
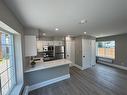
x: 48, y: 64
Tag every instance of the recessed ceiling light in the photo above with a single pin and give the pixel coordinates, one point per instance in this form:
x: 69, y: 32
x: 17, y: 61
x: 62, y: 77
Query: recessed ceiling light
x: 84, y: 32
x: 44, y: 34
x: 56, y: 29
x: 83, y: 21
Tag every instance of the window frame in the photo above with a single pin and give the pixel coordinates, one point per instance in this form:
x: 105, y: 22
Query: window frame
x: 13, y: 67
x: 106, y: 49
x: 18, y: 55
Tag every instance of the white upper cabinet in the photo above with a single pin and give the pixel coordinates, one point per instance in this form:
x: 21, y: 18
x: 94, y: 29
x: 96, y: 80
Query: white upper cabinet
x: 30, y: 46
x: 45, y: 43
x: 58, y: 43
x: 50, y: 43
x: 39, y: 46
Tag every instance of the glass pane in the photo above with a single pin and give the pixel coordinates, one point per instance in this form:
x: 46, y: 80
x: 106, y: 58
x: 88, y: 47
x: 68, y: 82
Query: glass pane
x: 1, y: 54
x: 3, y: 41
x: 3, y: 51
x: 7, y: 67
x: 5, y: 89
x: 9, y: 62
x: 101, y: 52
x: 106, y: 49
x: 0, y: 85
x: 3, y: 66
x: 4, y: 78
x: 11, y: 73
x: 0, y: 37
x: 12, y: 82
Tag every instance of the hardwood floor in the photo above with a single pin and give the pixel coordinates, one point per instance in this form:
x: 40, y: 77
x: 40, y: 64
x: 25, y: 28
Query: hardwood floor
x: 98, y: 80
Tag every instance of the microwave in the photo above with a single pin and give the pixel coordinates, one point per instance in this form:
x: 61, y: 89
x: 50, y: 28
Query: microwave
x: 48, y: 48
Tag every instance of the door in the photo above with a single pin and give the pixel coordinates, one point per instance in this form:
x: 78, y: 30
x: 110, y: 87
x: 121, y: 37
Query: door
x: 93, y: 52
x: 86, y: 53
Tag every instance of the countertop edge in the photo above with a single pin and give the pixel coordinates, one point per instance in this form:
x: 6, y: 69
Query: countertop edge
x: 47, y: 67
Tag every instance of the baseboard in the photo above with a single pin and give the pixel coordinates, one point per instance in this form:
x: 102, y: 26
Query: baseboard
x: 116, y: 66
x: 79, y: 67
x: 48, y: 82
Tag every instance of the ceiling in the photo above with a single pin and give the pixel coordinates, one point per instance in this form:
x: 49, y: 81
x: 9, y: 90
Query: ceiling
x: 104, y: 17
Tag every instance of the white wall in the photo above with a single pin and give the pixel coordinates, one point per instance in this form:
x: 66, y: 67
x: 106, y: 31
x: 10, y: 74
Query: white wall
x: 8, y: 18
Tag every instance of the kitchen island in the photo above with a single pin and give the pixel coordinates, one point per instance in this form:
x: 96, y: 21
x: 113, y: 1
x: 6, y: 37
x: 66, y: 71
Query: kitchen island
x: 45, y: 73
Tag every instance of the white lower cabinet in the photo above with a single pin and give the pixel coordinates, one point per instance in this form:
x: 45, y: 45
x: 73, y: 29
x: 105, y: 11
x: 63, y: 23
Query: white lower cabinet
x: 30, y: 46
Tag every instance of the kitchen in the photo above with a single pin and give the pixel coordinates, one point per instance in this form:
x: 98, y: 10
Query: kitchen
x: 51, y: 57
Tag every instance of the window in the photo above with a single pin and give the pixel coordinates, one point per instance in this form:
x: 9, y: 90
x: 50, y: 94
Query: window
x: 7, y: 63
x: 106, y: 49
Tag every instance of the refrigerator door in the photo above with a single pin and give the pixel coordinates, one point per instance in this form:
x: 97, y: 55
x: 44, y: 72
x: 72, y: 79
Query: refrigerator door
x: 59, y: 52
x: 59, y: 56
x: 59, y: 49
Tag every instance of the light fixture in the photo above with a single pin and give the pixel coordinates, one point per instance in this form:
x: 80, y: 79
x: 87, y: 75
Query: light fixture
x: 44, y: 34
x: 85, y: 33
x: 56, y: 29
x: 83, y: 21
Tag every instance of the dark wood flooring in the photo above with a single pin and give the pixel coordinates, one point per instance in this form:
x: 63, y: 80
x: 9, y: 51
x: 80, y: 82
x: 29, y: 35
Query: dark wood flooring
x: 98, y: 80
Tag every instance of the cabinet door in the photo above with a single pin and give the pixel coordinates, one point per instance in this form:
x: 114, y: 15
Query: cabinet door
x: 58, y: 43
x: 86, y: 53
x: 55, y: 43
x: 50, y: 43
x: 39, y: 46
x: 44, y: 43
x: 68, y: 50
x: 30, y: 46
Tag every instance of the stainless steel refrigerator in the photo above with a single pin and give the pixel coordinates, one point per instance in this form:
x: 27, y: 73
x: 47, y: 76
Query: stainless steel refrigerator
x: 59, y: 52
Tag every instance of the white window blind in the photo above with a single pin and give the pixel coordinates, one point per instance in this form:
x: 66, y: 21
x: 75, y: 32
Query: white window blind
x: 7, y: 63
